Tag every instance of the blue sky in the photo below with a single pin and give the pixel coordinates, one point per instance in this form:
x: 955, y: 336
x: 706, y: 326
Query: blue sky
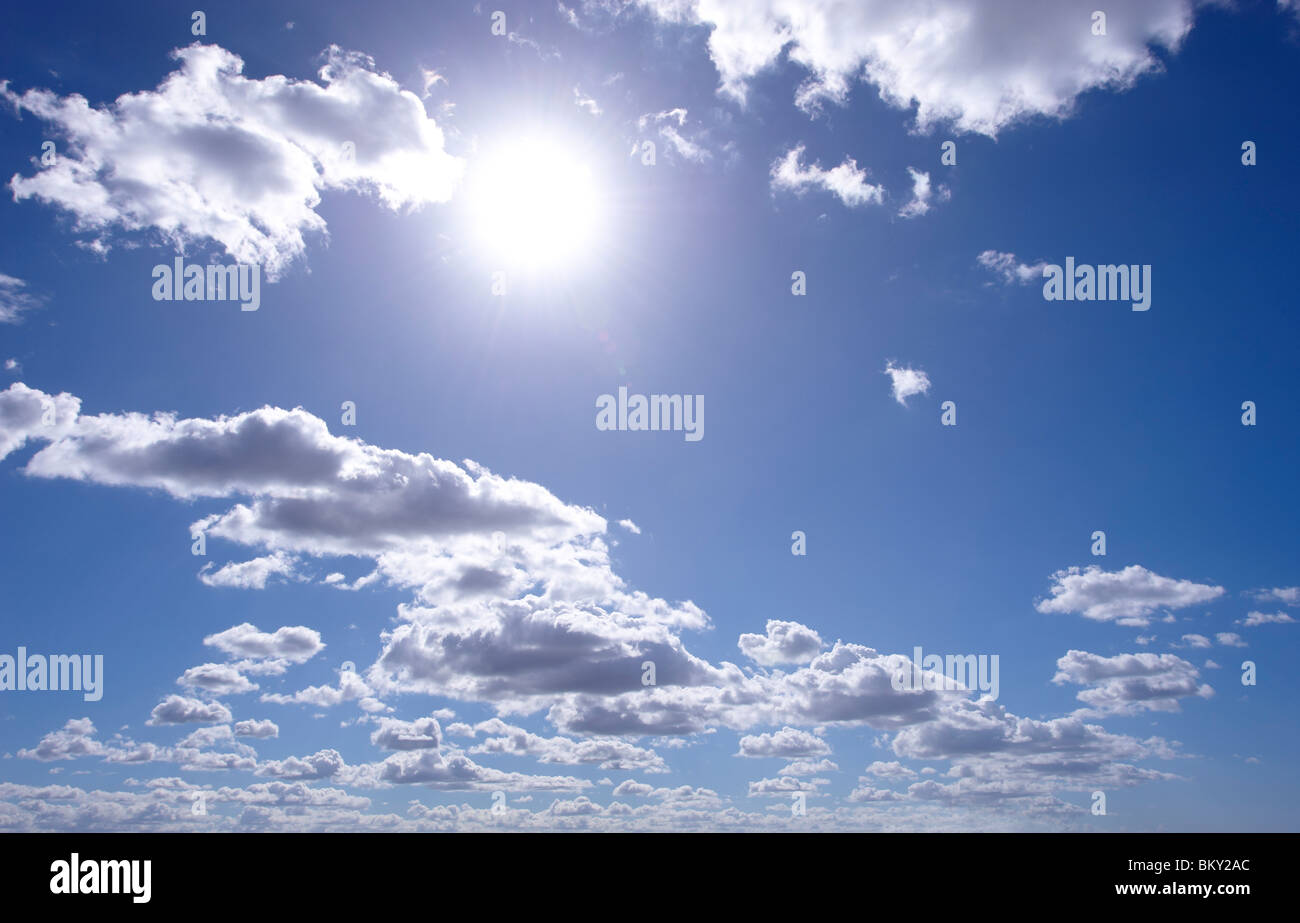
x: 783, y: 142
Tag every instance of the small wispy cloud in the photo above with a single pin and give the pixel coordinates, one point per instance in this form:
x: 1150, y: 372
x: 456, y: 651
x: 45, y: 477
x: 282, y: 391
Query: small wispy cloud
x: 906, y: 381
x: 848, y: 181
x: 1009, y: 269
x: 1265, y: 618
x: 923, y: 193
x: 671, y: 126
x: 15, y: 300
x: 585, y: 102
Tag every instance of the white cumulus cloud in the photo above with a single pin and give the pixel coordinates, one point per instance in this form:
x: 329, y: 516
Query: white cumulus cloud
x: 978, y: 66
x: 214, y: 155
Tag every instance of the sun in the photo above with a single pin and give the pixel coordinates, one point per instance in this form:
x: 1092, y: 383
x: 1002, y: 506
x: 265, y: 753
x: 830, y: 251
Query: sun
x: 536, y: 203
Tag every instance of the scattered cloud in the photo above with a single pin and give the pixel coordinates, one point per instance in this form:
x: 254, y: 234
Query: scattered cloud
x: 15, y: 300
x: 259, y: 728
x: 906, y: 381
x: 1009, y: 269
x: 1128, y: 683
x: 249, y: 575
x: 585, y: 102
x: 956, y: 61
x: 847, y: 182
x: 1126, y: 597
x: 176, y: 709
x: 922, y: 195
x: 670, y: 125
x: 296, y: 644
x: 214, y: 155
x: 216, y: 679
x: 1287, y: 594
x: 787, y: 743
x: 1264, y: 618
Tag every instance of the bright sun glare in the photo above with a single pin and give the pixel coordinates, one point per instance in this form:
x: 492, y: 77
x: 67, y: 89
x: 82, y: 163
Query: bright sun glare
x: 535, y: 204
